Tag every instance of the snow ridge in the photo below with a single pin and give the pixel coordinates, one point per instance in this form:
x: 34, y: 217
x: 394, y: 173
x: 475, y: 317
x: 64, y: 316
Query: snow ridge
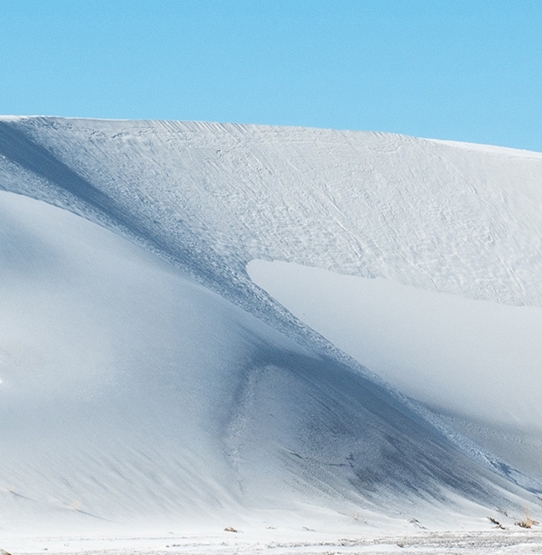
x: 208, y: 397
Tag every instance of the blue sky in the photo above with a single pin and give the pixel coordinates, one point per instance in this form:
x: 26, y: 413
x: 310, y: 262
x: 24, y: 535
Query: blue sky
x: 468, y: 70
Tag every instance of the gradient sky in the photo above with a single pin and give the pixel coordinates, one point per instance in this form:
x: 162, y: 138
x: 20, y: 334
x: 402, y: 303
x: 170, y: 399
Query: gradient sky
x: 468, y: 70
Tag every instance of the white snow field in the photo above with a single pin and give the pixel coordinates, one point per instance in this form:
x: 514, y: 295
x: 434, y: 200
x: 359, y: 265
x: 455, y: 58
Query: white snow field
x: 324, y: 340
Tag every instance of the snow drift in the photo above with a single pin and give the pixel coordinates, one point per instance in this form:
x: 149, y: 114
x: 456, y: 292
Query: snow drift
x: 147, y: 380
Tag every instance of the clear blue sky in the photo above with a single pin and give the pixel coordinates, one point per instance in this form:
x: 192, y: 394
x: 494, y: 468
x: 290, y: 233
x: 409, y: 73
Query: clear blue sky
x: 467, y: 70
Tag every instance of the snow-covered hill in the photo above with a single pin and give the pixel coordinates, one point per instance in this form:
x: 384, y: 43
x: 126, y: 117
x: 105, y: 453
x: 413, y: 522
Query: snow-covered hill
x: 147, y: 380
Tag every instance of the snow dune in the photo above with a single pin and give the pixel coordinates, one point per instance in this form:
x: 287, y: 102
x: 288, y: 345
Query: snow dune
x: 132, y: 394
x: 147, y: 380
x: 475, y: 363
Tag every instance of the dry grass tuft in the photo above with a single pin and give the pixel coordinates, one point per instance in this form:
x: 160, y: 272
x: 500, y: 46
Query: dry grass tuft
x: 496, y: 523
x: 231, y: 529
x: 527, y: 522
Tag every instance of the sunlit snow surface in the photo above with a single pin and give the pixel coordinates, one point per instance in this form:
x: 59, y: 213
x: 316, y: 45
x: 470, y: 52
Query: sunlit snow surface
x: 147, y: 382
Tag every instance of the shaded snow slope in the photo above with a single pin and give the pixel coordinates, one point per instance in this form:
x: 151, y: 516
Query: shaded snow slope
x: 476, y: 362
x: 131, y: 394
x: 137, y: 387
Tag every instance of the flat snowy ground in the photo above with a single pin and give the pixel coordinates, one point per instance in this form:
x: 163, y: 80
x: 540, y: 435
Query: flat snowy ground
x: 308, y: 543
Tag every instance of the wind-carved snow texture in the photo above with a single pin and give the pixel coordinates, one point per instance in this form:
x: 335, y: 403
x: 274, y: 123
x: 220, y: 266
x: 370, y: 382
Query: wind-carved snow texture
x: 146, y: 389
x: 374, y: 205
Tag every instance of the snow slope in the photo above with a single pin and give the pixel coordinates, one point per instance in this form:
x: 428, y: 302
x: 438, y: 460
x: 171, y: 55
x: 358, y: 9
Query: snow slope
x: 147, y: 380
x: 132, y: 394
x: 475, y: 363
